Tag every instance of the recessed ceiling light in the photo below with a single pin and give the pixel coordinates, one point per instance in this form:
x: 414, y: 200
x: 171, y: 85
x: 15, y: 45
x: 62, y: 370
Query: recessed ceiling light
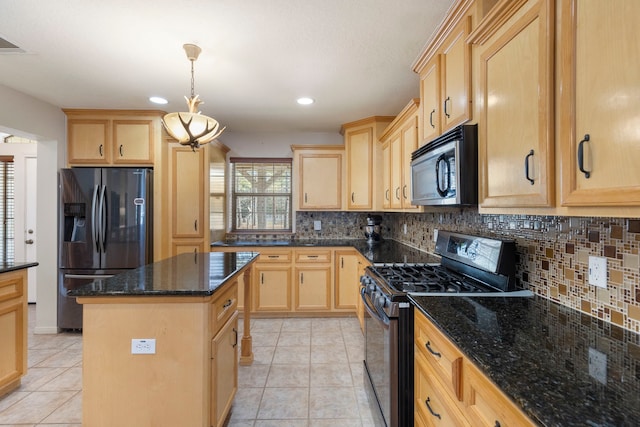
x: 158, y: 100
x: 305, y: 101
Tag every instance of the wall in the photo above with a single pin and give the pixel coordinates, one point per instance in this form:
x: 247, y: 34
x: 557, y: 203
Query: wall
x: 28, y: 117
x: 274, y: 144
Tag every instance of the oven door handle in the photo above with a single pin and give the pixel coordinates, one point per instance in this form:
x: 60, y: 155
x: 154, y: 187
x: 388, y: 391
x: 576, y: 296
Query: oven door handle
x: 373, y: 311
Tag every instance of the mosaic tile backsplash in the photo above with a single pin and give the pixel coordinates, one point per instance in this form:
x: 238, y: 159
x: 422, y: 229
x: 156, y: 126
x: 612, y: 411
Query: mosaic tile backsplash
x: 553, y: 251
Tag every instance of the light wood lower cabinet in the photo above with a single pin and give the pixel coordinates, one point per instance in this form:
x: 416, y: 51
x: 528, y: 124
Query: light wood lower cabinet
x: 449, y: 390
x: 224, y: 370
x: 13, y: 329
x: 347, y: 283
x: 272, y: 287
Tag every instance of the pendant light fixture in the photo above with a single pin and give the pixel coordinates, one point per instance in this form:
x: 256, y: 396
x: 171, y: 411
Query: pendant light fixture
x: 192, y: 128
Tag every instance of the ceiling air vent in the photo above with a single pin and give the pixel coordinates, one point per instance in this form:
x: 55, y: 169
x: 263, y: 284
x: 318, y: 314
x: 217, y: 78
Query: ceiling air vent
x: 7, y: 47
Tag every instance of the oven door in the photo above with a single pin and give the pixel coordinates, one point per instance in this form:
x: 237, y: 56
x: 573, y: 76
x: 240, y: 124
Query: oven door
x: 381, y: 361
x: 434, y: 176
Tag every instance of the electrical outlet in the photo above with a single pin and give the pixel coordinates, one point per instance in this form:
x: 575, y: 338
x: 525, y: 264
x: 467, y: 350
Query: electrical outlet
x: 435, y: 234
x: 404, y: 228
x: 317, y: 225
x: 598, y: 271
x: 598, y: 365
x: 143, y: 346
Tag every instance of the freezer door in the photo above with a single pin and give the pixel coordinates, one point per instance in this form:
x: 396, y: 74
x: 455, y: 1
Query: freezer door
x: 69, y: 311
x: 125, y: 207
x: 79, y: 191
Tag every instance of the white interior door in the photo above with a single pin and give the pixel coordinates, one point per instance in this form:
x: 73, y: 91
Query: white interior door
x: 30, y: 236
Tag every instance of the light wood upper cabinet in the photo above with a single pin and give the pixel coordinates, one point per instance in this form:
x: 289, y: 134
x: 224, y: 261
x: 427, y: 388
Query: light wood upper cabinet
x: 456, y: 77
x: 319, y: 176
x: 112, y: 137
x: 398, y: 141
x: 599, y: 78
x: 515, y: 130
x: 188, y: 181
x: 430, y: 101
x: 133, y: 141
x: 363, y: 158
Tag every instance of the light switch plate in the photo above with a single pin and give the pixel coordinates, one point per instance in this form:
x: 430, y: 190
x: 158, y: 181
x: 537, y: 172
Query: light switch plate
x: 598, y: 271
x: 598, y: 365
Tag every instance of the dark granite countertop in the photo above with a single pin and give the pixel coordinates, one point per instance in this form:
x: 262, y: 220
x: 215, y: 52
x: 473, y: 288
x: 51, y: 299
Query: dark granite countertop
x: 563, y: 367
x: 7, y: 266
x: 384, y: 251
x: 182, y: 275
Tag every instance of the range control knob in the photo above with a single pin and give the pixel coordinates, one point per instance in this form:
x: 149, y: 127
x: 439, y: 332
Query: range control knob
x: 380, y: 301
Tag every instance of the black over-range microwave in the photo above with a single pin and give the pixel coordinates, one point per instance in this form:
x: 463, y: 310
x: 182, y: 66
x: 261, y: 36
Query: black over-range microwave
x: 445, y: 170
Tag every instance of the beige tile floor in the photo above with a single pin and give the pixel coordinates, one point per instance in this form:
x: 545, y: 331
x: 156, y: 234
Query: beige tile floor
x: 306, y: 373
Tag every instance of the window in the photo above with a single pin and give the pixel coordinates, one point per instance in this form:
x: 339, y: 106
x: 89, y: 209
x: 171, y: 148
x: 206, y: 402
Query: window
x: 261, y: 194
x: 7, y: 209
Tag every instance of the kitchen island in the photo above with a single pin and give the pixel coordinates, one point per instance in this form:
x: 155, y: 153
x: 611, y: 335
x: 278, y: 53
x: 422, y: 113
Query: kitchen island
x: 13, y: 324
x: 160, y: 342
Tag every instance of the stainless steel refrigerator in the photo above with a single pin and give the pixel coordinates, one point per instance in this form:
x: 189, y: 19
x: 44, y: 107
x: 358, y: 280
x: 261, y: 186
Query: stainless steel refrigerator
x: 105, y: 228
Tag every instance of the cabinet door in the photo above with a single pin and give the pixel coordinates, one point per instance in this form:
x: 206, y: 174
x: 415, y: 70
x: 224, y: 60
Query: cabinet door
x: 313, y: 288
x: 133, y: 141
x: 224, y: 371
x: 600, y: 104
x: 88, y: 141
x: 487, y: 405
x: 456, y: 77
x: 187, y: 172
x: 13, y: 328
x: 396, y: 171
x: 386, y: 175
x: 359, y: 146
x: 320, y: 181
x: 272, y: 286
x: 430, y: 100
x: 516, y: 125
x: 347, y: 282
x: 409, y: 133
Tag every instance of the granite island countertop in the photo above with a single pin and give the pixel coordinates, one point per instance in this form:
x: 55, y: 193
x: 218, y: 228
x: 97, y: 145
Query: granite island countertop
x: 187, y: 274
x: 384, y: 251
x: 6, y: 266
x: 563, y: 367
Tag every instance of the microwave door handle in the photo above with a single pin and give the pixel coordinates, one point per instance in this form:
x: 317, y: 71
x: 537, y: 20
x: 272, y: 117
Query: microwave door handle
x: 442, y: 160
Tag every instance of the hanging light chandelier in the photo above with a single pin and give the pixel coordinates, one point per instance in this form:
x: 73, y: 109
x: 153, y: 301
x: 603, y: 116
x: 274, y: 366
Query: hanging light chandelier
x: 192, y: 128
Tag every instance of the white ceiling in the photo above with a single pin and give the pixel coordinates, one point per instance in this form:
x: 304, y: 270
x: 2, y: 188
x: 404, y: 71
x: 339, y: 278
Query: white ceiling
x: 353, y: 57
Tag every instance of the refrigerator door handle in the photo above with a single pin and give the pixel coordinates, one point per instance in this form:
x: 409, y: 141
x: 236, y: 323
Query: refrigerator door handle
x: 88, y: 276
x: 94, y: 228
x: 103, y: 219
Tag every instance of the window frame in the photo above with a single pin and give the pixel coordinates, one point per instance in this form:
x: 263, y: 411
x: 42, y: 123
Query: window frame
x: 233, y: 226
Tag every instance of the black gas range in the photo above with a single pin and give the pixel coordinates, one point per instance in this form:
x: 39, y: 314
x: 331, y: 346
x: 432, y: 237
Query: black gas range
x: 469, y: 266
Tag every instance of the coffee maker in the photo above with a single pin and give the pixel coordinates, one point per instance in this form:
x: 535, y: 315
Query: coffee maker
x: 372, y: 231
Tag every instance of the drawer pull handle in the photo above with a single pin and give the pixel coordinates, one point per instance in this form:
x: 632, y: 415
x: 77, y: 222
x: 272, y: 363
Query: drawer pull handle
x: 435, y: 353
x: 227, y: 304
x: 273, y: 256
x: 312, y: 256
x: 262, y: 278
x: 497, y: 424
x: 431, y: 410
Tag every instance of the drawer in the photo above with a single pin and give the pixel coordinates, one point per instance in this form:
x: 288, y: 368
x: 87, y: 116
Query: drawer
x: 12, y: 285
x: 274, y: 256
x: 487, y: 405
x: 223, y: 307
x: 313, y: 256
x: 433, y: 405
x: 440, y: 353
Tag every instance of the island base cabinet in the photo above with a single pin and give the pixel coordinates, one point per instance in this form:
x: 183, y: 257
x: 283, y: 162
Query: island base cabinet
x: 224, y: 369
x: 13, y: 330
